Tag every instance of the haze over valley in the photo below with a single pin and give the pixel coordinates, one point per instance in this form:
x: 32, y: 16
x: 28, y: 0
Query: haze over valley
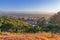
x: 24, y: 13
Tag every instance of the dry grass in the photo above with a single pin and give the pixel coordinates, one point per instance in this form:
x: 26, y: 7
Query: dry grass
x: 29, y: 36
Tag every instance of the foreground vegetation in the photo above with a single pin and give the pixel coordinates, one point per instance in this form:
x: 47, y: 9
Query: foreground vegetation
x: 17, y: 26
x: 13, y: 25
x: 8, y: 24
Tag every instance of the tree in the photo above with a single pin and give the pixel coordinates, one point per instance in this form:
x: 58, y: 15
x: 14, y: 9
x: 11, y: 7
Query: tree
x: 55, y: 19
x: 41, y: 22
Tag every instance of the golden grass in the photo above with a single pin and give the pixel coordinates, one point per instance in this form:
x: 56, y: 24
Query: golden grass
x: 30, y: 36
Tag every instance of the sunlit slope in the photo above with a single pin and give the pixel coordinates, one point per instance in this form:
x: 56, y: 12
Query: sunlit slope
x: 11, y: 24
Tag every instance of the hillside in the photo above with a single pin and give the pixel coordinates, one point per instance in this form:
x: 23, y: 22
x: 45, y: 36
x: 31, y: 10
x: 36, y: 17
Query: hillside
x: 12, y: 25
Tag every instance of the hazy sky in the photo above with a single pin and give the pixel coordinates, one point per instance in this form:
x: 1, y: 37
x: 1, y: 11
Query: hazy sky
x: 35, y: 5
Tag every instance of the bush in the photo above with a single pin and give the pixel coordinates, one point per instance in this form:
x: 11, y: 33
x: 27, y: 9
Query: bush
x: 33, y: 29
x: 52, y: 28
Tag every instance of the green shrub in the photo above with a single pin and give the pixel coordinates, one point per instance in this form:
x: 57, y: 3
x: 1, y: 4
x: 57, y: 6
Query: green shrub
x: 52, y: 28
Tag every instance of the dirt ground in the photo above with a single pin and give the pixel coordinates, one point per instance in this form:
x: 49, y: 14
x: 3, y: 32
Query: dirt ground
x: 29, y: 36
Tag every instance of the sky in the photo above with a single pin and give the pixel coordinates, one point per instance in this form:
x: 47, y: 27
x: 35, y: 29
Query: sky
x: 30, y: 5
